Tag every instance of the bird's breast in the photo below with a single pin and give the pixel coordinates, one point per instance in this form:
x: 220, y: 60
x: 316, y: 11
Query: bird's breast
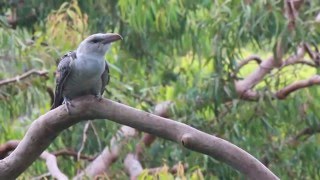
x: 89, y: 67
x: 85, y: 76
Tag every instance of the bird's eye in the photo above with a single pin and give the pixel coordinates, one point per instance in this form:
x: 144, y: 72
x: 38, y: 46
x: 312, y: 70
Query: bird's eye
x: 94, y: 40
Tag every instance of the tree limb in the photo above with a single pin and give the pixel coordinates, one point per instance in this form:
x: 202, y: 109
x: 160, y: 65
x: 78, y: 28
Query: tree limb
x: 132, y: 161
x: 248, y: 59
x: 133, y: 166
x: 255, y: 77
x: 52, y: 165
x: 8, y: 147
x: 44, y: 130
x: 51, y: 160
x: 283, y: 93
x: 244, y: 87
x: 162, y: 110
x: 110, y: 154
x: 304, y: 62
x: 23, y: 76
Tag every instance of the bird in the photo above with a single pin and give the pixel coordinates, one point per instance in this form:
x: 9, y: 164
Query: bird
x: 84, y: 71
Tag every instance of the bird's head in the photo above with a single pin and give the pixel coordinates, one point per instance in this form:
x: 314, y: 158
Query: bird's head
x: 97, y: 44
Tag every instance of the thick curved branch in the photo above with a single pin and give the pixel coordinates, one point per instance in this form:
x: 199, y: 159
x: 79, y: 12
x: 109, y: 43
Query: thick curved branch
x: 304, y: 62
x: 132, y: 161
x: 255, y: 77
x: 248, y: 59
x: 283, y: 93
x: 44, y: 130
x: 244, y: 87
x: 23, y: 76
x: 50, y: 159
x: 110, y: 154
x: 162, y: 110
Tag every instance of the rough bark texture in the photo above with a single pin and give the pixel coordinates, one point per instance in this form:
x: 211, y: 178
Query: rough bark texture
x: 43, y: 131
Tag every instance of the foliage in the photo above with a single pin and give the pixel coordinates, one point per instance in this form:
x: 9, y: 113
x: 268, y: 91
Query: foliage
x: 183, y: 51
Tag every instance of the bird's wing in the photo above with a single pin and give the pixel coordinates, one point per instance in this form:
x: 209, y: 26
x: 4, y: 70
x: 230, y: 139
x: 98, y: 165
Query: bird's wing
x: 62, y: 73
x: 105, y: 77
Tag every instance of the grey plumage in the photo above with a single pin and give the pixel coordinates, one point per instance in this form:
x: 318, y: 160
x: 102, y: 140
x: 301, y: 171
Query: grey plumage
x: 84, y: 71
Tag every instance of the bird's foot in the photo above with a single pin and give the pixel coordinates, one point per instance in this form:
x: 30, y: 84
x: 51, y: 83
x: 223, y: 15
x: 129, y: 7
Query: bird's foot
x: 67, y: 104
x: 99, y: 97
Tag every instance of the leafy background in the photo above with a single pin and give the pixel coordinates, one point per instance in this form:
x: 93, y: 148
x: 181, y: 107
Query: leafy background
x: 182, y: 51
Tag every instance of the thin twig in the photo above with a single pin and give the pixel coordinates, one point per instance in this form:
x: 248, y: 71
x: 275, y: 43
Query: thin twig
x: 96, y: 134
x: 69, y: 152
x: 84, y: 139
x: 42, y: 73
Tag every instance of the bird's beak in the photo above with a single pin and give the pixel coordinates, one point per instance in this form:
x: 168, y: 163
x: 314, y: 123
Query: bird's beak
x: 111, y: 37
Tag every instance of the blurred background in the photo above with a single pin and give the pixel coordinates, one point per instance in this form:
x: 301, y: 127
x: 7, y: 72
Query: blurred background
x: 184, y: 51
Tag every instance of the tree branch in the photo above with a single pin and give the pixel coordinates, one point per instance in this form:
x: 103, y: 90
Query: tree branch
x: 132, y: 161
x: 50, y: 159
x: 248, y: 59
x: 110, y: 154
x: 52, y: 165
x: 8, y: 147
x: 283, y: 93
x: 244, y: 87
x: 74, y: 154
x: 162, y: 110
x: 23, y: 76
x: 44, y: 130
x: 133, y: 166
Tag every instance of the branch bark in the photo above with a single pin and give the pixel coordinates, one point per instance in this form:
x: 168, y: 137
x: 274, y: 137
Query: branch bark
x: 51, y: 160
x: 8, y: 147
x: 44, y: 130
x: 133, y: 166
x: 132, y: 161
x: 52, y: 165
x: 23, y: 76
x: 248, y: 59
x: 283, y: 93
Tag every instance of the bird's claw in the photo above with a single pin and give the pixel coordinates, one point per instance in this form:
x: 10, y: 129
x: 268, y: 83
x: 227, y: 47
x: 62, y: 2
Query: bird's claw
x: 67, y: 104
x: 99, y: 97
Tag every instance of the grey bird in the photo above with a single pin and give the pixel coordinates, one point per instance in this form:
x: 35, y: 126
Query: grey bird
x: 84, y: 71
